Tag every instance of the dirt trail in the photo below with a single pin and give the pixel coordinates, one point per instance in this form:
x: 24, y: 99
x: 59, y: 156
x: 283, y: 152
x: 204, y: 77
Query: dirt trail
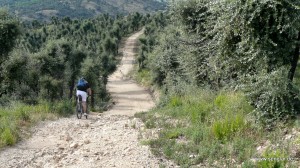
x: 107, y: 140
x: 128, y: 96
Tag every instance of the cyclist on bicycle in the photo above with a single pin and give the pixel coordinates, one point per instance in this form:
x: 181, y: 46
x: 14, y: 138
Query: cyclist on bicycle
x: 83, y: 89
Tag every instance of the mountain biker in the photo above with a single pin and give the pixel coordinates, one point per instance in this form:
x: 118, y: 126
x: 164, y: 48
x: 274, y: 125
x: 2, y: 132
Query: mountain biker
x: 83, y: 89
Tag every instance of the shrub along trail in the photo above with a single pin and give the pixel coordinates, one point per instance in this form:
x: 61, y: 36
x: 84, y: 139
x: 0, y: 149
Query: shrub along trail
x: 107, y: 140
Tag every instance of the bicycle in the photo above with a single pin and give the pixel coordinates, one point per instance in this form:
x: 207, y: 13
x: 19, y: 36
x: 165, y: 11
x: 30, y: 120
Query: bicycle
x: 79, y: 108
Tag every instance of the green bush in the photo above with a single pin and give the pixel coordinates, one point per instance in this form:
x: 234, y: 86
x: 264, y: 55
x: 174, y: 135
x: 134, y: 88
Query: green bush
x: 225, y: 129
x: 232, y: 109
x: 232, y: 102
x: 175, y: 101
x: 144, y: 77
x: 4, y: 101
x: 23, y: 114
x: 7, y: 137
x: 243, y: 147
x: 198, y: 112
x: 168, y: 149
x: 20, y: 116
x: 275, y: 98
x: 63, y: 108
x: 275, y: 159
x: 196, y: 121
x: 172, y: 134
x: 221, y: 101
x: 150, y: 124
x: 199, y: 134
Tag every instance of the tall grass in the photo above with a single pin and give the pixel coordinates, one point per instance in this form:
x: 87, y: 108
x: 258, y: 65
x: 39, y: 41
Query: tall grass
x: 18, y: 116
x: 207, y: 128
x: 143, y: 76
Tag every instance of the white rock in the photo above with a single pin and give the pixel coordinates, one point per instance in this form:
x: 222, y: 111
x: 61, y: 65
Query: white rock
x: 288, y: 137
x: 87, y: 141
x: 74, y: 145
x: 68, y: 138
x: 258, y: 148
x: 61, y: 147
x: 192, y: 156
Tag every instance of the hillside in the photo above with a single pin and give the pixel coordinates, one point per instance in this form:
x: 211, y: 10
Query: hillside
x: 43, y: 10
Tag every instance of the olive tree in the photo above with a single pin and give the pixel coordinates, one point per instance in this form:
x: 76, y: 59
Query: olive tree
x: 9, y: 31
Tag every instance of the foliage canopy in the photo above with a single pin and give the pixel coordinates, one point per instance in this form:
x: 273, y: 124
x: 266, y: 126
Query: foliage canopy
x: 245, y: 45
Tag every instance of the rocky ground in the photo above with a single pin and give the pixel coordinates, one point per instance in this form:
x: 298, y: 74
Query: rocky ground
x: 100, y: 141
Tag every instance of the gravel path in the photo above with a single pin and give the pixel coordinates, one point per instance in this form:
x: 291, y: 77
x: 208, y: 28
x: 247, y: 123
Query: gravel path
x: 106, y: 140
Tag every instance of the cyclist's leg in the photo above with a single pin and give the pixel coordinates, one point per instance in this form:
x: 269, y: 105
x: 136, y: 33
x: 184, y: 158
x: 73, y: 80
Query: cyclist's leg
x: 84, y: 106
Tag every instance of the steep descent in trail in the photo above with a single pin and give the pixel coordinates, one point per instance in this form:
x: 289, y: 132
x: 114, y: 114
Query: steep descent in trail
x: 106, y: 140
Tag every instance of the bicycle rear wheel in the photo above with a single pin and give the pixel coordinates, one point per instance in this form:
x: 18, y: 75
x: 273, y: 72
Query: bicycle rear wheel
x: 79, y: 110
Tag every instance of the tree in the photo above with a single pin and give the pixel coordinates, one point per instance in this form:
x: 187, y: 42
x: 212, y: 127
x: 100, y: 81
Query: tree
x: 229, y: 44
x: 295, y: 59
x: 74, y: 61
x: 9, y: 31
x: 91, y: 70
x: 49, y: 57
x: 15, y: 74
x: 52, y: 69
x: 110, y: 46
